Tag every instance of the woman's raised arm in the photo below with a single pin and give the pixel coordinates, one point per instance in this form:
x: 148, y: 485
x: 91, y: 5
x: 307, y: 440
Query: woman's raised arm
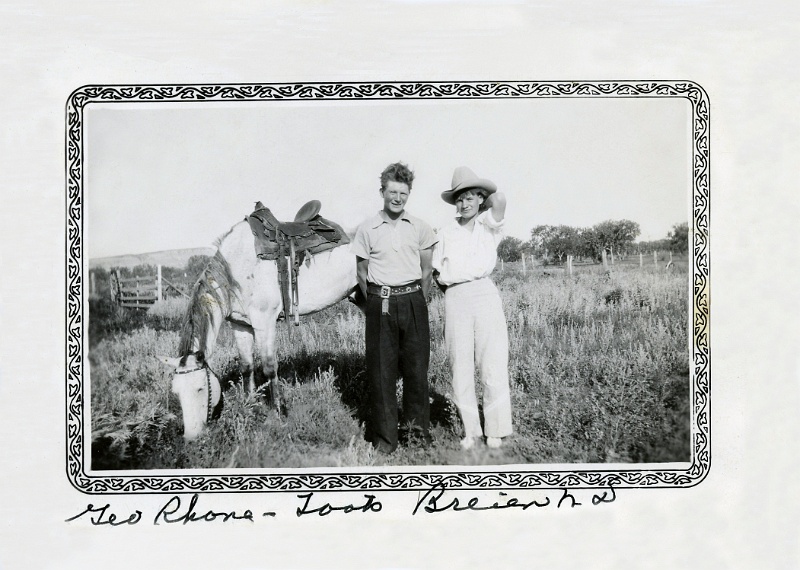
x: 497, y: 204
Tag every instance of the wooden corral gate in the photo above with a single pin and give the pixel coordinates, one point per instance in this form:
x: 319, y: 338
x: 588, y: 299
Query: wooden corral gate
x: 141, y: 292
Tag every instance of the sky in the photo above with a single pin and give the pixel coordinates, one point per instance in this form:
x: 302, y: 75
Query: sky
x: 178, y: 175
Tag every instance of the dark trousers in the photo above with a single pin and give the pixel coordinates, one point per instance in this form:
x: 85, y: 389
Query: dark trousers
x: 397, y: 344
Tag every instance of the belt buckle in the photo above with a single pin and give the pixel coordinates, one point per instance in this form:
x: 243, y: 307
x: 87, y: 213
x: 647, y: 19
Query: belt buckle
x: 385, y: 291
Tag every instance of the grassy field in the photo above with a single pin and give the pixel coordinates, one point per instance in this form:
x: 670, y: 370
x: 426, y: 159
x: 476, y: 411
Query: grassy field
x: 599, y: 367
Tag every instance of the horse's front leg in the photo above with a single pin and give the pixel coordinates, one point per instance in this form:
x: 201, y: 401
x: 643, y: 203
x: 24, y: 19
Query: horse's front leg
x: 265, y: 330
x: 243, y: 335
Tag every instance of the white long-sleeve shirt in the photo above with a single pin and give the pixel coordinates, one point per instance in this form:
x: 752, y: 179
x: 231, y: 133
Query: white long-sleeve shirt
x: 465, y: 255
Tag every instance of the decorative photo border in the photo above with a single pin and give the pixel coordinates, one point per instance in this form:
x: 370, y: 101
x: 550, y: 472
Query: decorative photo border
x: 287, y: 481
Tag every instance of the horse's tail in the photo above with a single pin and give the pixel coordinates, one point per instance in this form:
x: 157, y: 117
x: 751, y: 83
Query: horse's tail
x: 215, y: 287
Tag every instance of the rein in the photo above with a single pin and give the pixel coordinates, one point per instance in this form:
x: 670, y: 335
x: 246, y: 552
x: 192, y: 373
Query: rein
x: 205, y: 367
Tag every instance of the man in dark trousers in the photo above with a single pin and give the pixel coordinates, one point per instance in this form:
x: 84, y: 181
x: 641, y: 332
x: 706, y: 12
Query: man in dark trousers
x: 393, y: 260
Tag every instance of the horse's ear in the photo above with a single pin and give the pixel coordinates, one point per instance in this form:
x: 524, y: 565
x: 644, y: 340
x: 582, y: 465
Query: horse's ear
x: 200, y: 357
x: 173, y: 362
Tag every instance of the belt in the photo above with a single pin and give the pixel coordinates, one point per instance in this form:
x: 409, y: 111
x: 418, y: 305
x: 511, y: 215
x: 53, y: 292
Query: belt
x: 469, y: 281
x: 386, y: 291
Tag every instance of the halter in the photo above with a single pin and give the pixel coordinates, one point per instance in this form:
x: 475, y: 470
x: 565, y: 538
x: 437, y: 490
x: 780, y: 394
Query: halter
x: 205, y: 367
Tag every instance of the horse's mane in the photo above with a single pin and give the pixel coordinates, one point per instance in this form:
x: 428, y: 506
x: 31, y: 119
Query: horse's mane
x: 220, y: 239
x: 216, y: 285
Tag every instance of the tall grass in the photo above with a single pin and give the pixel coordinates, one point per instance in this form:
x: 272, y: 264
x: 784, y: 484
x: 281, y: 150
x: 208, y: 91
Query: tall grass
x: 131, y: 406
x: 599, y: 371
x: 596, y: 362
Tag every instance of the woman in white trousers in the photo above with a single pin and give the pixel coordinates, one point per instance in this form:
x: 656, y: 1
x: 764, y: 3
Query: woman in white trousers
x: 476, y: 335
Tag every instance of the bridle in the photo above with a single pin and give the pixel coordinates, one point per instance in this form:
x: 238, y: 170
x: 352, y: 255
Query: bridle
x: 204, y: 366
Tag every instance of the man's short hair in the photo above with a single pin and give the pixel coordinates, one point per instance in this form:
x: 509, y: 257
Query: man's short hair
x: 398, y: 172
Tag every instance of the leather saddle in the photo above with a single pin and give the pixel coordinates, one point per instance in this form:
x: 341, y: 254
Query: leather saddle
x: 307, y: 235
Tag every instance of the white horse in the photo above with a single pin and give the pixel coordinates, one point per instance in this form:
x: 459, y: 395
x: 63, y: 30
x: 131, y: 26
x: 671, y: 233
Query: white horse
x: 242, y: 289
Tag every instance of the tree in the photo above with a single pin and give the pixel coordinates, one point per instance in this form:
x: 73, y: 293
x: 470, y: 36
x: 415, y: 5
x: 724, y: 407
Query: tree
x: 195, y: 266
x: 555, y: 241
x: 588, y: 243
x: 654, y: 245
x: 540, y: 235
x: 141, y: 270
x: 564, y: 242
x: 619, y: 234
x: 679, y: 238
x: 510, y: 249
x: 558, y: 241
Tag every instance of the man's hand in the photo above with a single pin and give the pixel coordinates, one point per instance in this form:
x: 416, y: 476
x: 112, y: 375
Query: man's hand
x: 425, y: 263
x: 362, y: 270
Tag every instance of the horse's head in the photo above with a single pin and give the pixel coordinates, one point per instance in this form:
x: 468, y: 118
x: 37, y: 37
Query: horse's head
x: 198, y: 390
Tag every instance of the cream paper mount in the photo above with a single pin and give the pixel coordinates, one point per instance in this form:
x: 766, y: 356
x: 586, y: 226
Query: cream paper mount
x: 527, y: 477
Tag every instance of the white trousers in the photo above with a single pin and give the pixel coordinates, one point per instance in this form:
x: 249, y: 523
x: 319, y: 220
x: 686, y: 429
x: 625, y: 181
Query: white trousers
x: 476, y: 336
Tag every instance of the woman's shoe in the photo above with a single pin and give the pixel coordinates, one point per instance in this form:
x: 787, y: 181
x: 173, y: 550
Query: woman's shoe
x: 494, y: 442
x: 467, y: 443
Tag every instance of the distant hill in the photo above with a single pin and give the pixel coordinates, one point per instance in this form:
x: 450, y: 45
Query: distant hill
x: 168, y: 258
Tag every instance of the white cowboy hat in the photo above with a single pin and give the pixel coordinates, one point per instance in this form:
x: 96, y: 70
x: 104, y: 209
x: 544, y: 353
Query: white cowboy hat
x: 463, y: 179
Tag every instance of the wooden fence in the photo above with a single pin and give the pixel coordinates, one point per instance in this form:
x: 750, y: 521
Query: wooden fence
x: 141, y: 292
x: 608, y: 259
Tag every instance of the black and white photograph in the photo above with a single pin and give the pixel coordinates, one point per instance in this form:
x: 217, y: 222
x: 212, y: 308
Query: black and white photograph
x: 399, y: 284
x: 540, y: 313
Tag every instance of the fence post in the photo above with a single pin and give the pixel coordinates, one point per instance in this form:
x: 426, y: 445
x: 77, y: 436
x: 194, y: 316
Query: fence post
x: 670, y: 256
x: 502, y: 266
x: 655, y: 257
x: 569, y: 265
x: 605, y: 259
x: 158, y: 284
x: 114, y: 282
x: 524, y: 270
x: 612, y: 255
x: 641, y: 261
